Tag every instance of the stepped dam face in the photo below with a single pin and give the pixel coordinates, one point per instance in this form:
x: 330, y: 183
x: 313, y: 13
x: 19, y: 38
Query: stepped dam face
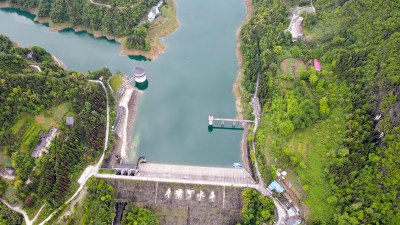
x: 183, y: 203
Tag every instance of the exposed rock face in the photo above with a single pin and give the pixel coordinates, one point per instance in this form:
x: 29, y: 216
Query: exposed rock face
x: 183, y: 203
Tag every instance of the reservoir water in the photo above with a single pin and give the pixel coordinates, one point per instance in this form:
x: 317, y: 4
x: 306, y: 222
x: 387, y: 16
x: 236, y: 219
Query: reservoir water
x: 193, y: 78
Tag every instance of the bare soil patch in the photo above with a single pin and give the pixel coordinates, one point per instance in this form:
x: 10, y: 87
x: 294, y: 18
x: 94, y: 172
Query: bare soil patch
x: 39, y: 119
x: 309, y: 38
x: 292, y: 66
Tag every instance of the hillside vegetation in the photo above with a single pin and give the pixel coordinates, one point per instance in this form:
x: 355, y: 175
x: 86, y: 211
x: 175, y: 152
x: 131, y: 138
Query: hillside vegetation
x: 31, y: 102
x: 320, y: 126
x: 120, y: 19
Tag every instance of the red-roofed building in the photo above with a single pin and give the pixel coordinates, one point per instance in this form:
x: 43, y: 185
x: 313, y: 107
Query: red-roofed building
x: 317, y: 65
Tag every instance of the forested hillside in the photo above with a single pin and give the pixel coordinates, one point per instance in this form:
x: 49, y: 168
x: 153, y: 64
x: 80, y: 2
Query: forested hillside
x: 32, y: 102
x: 320, y: 126
x: 114, y: 17
x: 119, y: 19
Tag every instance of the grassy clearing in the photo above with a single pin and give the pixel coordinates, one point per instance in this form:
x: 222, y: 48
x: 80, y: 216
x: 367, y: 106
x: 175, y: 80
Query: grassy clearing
x: 298, y: 141
x: 29, y: 125
x: 4, y: 160
x: 115, y: 82
x: 10, y: 195
x: 316, y: 141
x: 17, y: 126
x: 286, y: 66
x: 106, y: 171
x: 60, y: 111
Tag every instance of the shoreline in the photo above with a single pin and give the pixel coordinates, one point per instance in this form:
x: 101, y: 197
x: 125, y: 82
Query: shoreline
x: 123, y: 135
x: 55, y: 59
x: 126, y: 97
x: 156, y: 47
x: 237, y: 91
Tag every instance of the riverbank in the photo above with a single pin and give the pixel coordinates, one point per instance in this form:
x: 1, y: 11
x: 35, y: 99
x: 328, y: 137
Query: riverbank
x: 123, y: 135
x: 237, y: 90
x: 162, y: 26
x: 55, y: 59
x: 237, y: 86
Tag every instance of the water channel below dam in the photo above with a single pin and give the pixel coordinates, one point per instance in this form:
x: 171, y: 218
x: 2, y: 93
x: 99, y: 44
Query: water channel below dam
x: 192, y: 78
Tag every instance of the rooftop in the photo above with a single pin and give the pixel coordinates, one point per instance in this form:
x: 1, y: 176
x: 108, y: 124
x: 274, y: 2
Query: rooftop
x: 44, y: 142
x: 138, y: 71
x: 275, y: 186
x: 317, y: 65
x: 70, y: 121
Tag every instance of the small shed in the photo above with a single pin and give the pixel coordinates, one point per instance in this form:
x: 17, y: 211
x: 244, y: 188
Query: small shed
x: 317, y: 65
x: 275, y: 186
x: 70, y: 121
x: 29, y: 55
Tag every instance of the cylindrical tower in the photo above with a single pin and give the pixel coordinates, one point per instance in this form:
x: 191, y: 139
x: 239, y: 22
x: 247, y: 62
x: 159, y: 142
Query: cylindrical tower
x: 210, y: 119
x: 139, y: 74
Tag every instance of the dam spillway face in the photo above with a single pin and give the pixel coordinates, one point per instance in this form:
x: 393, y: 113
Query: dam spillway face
x: 176, y: 203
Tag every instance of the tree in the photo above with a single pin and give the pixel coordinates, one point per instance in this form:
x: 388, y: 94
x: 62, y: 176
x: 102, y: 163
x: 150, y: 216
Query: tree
x: 313, y: 79
x: 134, y: 215
x: 277, y: 49
x: 286, y: 127
x: 303, y: 165
x: 323, y: 106
x: 257, y: 208
x: 296, y: 52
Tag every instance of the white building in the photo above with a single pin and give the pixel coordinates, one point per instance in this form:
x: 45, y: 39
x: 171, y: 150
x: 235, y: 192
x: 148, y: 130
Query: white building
x: 154, y: 12
x: 44, y: 143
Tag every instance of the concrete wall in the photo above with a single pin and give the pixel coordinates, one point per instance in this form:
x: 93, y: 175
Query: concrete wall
x: 183, y: 203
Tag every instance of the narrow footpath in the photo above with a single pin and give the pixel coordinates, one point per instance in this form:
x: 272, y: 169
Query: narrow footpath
x: 91, y: 1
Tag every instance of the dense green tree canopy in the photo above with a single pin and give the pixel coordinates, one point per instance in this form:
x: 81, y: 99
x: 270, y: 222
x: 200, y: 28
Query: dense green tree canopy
x: 358, y: 42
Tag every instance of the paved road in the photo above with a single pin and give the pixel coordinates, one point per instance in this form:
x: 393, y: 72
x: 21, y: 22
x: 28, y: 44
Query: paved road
x: 108, y: 83
x: 19, y: 210
x: 109, y: 6
x: 36, y: 67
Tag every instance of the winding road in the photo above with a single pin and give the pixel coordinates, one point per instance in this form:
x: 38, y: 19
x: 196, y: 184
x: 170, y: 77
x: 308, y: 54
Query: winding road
x: 19, y: 210
x: 109, y: 6
x: 36, y: 67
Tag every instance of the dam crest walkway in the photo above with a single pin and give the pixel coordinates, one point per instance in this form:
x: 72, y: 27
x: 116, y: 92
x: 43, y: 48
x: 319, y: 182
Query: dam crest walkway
x: 189, y: 174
